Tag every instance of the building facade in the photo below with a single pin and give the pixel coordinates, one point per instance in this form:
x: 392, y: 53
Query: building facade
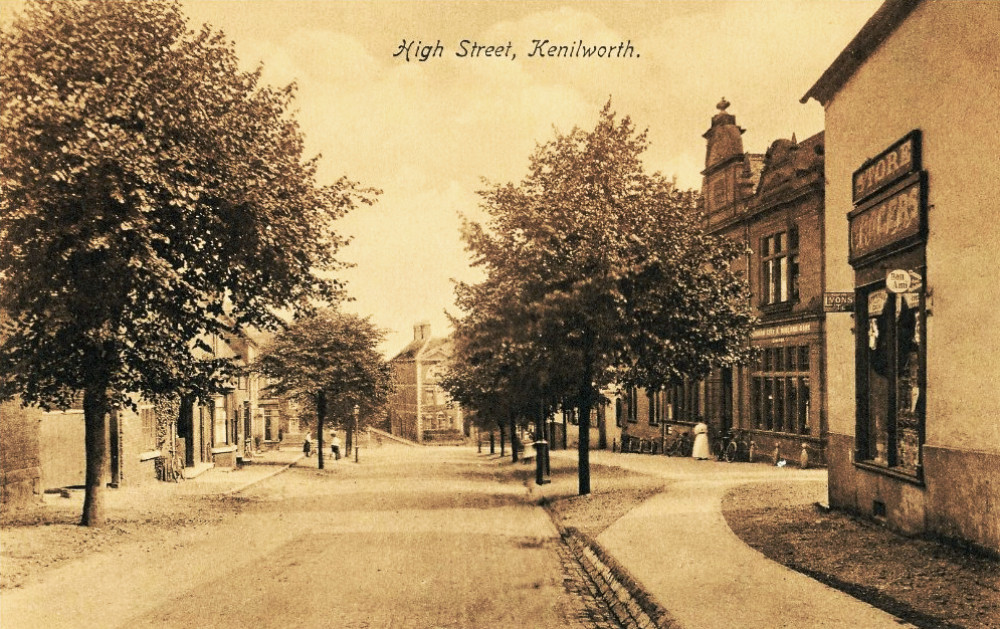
x: 912, y: 134
x: 420, y: 408
x: 774, y: 202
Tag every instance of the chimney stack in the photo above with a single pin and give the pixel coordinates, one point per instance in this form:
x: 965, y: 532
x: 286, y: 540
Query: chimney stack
x: 422, y: 331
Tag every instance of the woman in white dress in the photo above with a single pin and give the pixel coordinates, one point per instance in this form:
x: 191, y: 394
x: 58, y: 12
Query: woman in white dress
x: 700, y: 449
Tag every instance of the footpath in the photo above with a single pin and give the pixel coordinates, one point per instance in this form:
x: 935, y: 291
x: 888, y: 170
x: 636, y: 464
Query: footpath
x: 677, y: 549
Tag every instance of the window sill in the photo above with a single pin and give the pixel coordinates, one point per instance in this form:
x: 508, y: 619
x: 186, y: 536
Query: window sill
x: 787, y: 435
x: 223, y: 449
x: 784, y: 306
x: 917, y: 479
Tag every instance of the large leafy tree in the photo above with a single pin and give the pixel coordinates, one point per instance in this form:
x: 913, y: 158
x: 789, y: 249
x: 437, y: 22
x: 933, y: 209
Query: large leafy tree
x: 331, y: 361
x: 613, y: 278
x: 152, y: 194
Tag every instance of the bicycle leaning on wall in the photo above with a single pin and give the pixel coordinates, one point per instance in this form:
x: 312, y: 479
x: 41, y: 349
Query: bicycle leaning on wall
x: 732, y: 445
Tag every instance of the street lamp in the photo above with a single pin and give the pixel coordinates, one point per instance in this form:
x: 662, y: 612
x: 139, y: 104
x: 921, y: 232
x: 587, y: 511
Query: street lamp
x: 356, y: 435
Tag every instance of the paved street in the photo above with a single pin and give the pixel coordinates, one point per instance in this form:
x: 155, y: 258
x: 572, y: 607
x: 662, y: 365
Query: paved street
x: 409, y: 537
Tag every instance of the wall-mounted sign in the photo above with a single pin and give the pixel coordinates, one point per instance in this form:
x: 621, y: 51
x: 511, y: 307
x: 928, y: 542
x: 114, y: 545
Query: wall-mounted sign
x: 897, y: 161
x: 897, y: 281
x: 788, y: 329
x: 838, y: 302
x: 888, y: 220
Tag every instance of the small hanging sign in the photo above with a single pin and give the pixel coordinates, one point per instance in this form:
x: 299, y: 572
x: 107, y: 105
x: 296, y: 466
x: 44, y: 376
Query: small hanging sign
x: 897, y: 281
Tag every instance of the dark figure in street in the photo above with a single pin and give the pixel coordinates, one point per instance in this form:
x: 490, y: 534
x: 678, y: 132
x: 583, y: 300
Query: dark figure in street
x: 307, y: 445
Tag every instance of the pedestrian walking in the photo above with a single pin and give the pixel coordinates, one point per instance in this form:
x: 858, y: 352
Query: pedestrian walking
x: 700, y: 449
x: 335, y: 445
x: 307, y: 445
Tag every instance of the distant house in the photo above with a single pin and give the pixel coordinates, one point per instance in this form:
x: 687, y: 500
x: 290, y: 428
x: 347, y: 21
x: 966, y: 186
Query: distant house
x: 420, y: 409
x: 217, y: 433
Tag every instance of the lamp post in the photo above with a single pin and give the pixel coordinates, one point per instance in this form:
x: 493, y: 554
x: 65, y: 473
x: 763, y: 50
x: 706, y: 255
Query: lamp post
x: 356, y: 439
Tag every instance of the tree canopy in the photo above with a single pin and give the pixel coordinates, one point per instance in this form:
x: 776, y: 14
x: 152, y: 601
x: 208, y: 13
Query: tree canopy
x: 330, y: 351
x: 331, y: 360
x: 598, y: 273
x: 152, y: 194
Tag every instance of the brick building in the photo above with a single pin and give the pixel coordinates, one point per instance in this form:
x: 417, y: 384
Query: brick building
x: 420, y: 409
x: 912, y: 133
x: 773, y: 202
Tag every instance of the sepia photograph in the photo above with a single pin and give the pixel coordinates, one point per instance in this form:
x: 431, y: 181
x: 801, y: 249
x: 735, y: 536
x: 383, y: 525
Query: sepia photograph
x: 429, y: 314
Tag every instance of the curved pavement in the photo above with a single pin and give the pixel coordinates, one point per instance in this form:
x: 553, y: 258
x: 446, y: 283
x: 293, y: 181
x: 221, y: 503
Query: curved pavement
x: 678, y: 546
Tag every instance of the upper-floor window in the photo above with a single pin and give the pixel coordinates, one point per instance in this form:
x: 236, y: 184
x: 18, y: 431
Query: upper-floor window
x: 779, y: 267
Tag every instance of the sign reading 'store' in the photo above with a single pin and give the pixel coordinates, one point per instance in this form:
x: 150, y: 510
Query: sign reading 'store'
x: 892, y: 164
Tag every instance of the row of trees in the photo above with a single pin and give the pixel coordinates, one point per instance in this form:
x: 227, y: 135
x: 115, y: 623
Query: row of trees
x: 597, y: 274
x: 152, y: 195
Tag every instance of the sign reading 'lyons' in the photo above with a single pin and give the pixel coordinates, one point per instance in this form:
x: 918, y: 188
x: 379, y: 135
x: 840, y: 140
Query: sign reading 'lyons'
x: 897, y: 161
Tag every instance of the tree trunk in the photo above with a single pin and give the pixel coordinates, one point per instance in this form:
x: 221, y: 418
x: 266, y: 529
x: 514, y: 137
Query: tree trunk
x: 349, y: 437
x: 602, y: 429
x: 320, y: 420
x: 185, y: 428
x: 586, y: 401
x: 493, y: 448
x: 95, y: 417
x: 503, y: 442
x: 583, y: 446
x: 513, y: 438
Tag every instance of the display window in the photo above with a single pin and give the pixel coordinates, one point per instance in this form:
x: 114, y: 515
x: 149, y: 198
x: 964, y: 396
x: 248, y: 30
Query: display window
x: 891, y: 380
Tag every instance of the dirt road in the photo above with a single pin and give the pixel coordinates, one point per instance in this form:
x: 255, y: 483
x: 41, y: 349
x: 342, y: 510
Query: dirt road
x: 429, y: 537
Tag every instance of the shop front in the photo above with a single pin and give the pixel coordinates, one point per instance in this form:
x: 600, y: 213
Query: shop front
x: 784, y: 414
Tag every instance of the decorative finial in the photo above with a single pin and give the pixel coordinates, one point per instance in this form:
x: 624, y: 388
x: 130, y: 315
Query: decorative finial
x: 723, y: 104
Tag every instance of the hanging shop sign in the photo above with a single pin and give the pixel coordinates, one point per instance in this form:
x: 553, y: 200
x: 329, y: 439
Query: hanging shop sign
x: 896, y: 216
x: 897, y: 281
x: 894, y: 163
x: 838, y: 302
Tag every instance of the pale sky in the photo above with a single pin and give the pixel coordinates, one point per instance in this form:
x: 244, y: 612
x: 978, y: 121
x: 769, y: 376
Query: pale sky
x: 427, y: 133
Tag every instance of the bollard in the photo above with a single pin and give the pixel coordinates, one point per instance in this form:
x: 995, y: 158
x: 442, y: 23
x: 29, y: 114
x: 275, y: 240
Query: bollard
x: 614, y: 445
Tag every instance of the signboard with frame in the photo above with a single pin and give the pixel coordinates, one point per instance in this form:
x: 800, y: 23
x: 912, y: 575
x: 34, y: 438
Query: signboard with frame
x: 838, y: 302
x: 899, y: 160
x: 889, y: 221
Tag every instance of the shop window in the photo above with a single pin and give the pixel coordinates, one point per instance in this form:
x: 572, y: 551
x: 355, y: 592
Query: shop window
x: 779, y: 267
x: 779, y: 390
x: 618, y: 412
x: 891, y: 378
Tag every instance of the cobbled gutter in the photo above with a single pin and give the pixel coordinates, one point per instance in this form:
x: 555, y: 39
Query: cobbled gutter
x: 632, y: 607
